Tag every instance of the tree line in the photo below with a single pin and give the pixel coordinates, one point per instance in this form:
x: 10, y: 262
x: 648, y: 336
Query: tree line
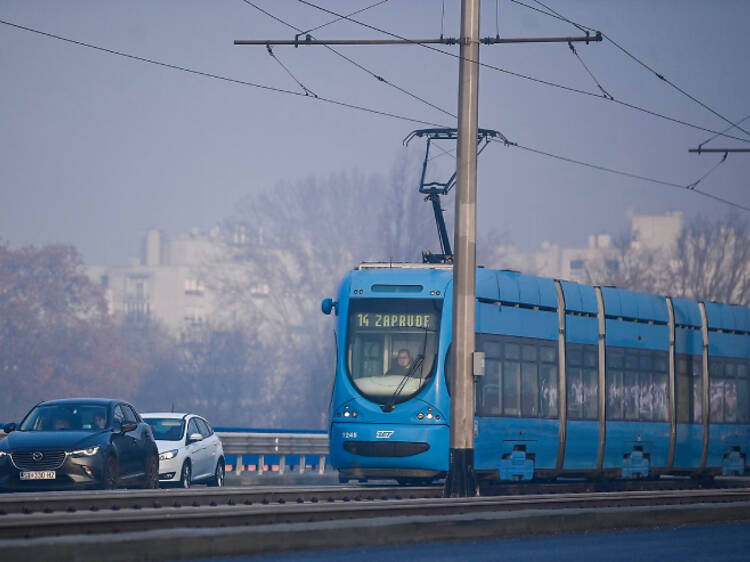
x: 266, y: 359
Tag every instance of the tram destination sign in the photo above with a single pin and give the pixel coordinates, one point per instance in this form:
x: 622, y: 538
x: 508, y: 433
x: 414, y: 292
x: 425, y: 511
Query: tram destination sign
x: 373, y: 320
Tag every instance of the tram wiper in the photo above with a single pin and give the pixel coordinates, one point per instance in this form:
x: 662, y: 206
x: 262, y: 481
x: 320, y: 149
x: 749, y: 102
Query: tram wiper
x: 389, y: 406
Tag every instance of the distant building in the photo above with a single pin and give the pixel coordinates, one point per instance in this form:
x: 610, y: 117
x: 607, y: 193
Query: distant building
x: 165, y: 282
x: 574, y: 264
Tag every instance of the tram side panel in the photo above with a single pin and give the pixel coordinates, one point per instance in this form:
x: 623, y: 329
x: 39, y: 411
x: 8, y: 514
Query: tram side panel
x: 729, y: 404
x: 517, y: 425
x: 582, y: 365
x: 637, y: 355
x: 688, y: 385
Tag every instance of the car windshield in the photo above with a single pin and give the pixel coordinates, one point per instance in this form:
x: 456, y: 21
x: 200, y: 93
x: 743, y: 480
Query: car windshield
x: 166, y: 429
x: 392, y: 346
x: 66, y: 417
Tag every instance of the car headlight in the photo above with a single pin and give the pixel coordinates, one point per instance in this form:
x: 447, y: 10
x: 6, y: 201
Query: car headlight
x: 88, y: 452
x: 166, y: 455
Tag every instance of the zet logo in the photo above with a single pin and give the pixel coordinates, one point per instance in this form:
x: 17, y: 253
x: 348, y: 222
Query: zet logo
x: 384, y: 434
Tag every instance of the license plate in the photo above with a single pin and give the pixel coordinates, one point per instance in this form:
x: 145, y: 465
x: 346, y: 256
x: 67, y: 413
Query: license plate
x: 39, y: 475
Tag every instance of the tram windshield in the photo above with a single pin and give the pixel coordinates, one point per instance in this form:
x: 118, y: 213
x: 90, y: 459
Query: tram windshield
x: 392, y: 346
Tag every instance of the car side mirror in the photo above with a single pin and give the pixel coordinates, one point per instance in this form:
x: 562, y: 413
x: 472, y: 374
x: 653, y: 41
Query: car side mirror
x: 194, y: 438
x: 8, y: 427
x: 126, y: 427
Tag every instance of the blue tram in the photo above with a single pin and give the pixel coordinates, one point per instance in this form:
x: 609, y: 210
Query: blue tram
x: 579, y: 380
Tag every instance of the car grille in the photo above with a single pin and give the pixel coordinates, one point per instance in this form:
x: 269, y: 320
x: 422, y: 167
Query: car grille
x: 50, y: 460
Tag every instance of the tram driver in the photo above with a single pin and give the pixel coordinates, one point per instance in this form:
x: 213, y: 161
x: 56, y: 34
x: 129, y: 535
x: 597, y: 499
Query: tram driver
x: 402, y: 365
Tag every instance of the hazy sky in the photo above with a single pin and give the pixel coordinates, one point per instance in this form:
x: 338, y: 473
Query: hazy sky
x: 96, y: 148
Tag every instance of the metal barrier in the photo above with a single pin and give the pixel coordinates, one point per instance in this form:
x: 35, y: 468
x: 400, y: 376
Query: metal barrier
x: 260, y: 452
x: 277, y: 451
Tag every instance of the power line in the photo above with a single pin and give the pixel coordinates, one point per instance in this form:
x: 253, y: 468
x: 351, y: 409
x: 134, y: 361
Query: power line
x: 724, y: 131
x: 525, y: 76
x: 552, y: 13
x: 688, y: 187
x: 378, y: 77
x: 354, y: 13
x: 220, y: 77
x: 351, y: 106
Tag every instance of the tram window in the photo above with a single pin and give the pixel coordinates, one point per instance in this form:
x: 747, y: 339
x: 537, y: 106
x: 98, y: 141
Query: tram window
x: 615, y: 358
x: 582, y: 382
x: 716, y: 397
x: 574, y: 355
x: 683, y: 390
x: 631, y: 360
x: 630, y: 402
x: 489, y: 396
x: 529, y: 388
x: 548, y: 391
x: 529, y: 353
x: 511, y: 387
x: 520, y: 377
x: 615, y: 395
x: 590, y: 357
x: 729, y: 387
x: 493, y: 349
x: 730, y: 401
x: 743, y: 393
x: 575, y: 393
x: 697, y: 395
x: 392, y: 346
x: 659, y: 386
x: 590, y: 395
x: 645, y: 409
x: 548, y: 354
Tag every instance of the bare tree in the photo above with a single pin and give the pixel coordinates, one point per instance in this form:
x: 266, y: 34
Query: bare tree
x: 628, y: 264
x: 710, y: 260
x: 289, y: 247
x: 56, y: 339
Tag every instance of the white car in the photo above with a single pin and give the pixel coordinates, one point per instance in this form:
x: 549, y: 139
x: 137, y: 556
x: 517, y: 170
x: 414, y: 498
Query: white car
x: 189, y: 450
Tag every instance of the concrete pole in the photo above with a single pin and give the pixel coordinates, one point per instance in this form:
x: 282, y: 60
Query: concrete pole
x: 461, y: 481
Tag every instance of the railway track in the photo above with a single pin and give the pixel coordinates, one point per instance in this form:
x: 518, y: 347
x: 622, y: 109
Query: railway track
x: 73, y: 502
x: 104, y: 513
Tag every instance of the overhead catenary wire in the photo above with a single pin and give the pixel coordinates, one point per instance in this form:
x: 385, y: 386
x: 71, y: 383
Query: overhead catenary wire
x: 349, y: 106
x: 308, y: 91
x: 604, y: 92
x: 354, y: 13
x: 220, y: 77
x: 350, y: 60
x: 709, y: 172
x: 528, y: 77
x: 688, y: 187
x: 745, y: 118
x: 551, y: 12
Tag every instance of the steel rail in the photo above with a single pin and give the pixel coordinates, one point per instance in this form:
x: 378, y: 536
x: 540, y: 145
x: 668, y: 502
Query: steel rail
x: 70, y: 502
x: 133, y: 520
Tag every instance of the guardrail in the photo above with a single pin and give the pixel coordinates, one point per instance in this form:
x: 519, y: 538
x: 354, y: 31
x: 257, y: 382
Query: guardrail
x: 260, y: 452
x: 277, y: 451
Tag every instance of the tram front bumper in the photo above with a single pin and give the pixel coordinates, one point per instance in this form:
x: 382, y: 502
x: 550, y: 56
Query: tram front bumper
x: 384, y: 450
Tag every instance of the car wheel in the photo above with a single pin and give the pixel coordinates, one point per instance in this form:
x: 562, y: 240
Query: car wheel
x: 111, y: 475
x: 151, y: 477
x: 218, y: 478
x: 186, y: 475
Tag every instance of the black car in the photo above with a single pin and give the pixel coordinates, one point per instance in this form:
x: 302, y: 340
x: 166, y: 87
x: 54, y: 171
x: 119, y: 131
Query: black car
x: 79, y: 442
